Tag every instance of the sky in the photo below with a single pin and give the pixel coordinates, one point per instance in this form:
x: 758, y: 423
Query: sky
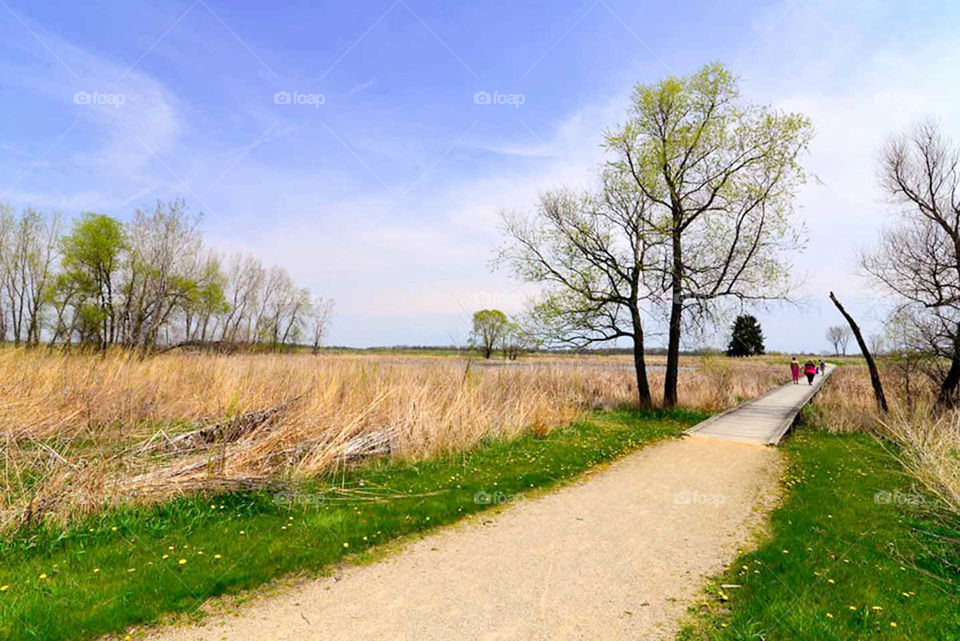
x: 370, y: 146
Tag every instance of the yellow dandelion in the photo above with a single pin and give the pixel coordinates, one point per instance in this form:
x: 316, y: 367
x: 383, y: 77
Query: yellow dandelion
x: 852, y: 608
x: 831, y: 581
x: 42, y: 576
x: 785, y: 551
x: 95, y: 570
x: 114, y: 528
x: 829, y: 616
x: 217, y: 556
x: 876, y: 608
x: 893, y: 624
x: 242, y: 532
x: 170, y: 548
x: 4, y: 588
x: 213, y: 507
x: 131, y: 569
x: 182, y: 561
x: 346, y: 545
x: 165, y: 556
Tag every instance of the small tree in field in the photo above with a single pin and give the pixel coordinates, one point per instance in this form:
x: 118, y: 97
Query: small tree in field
x: 489, y: 328
x: 839, y: 337
x: 720, y: 175
x: 512, y: 342
x: 747, y: 339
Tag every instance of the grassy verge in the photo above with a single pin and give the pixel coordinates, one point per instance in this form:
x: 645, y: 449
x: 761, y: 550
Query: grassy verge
x: 855, y: 552
x: 132, y: 566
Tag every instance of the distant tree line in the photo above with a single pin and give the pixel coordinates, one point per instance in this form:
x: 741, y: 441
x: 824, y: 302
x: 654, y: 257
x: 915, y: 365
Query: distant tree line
x: 146, y: 283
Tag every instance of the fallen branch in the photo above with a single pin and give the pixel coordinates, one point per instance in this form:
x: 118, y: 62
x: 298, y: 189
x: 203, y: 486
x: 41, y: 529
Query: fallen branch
x: 874, y: 374
x: 222, y: 432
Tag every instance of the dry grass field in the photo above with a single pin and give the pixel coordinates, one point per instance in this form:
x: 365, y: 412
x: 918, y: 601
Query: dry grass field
x: 82, y: 431
x: 930, y: 441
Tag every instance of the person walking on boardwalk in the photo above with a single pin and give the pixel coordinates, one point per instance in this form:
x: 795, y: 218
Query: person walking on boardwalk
x: 810, y: 370
x: 795, y: 370
x: 823, y: 367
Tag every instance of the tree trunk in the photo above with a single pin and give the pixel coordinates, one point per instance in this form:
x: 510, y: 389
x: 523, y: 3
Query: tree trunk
x: 948, y: 387
x: 673, y: 343
x: 639, y: 363
x: 872, y: 366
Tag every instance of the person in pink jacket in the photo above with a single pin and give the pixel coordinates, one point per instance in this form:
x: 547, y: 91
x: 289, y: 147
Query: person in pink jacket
x: 795, y: 370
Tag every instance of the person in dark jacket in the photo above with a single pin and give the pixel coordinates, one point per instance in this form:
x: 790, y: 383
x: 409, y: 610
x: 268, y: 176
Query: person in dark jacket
x: 810, y: 370
x: 823, y: 367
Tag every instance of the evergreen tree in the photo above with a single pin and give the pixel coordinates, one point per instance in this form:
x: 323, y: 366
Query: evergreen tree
x: 747, y: 338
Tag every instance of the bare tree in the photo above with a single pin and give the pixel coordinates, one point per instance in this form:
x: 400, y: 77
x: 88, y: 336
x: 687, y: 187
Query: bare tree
x: 29, y: 247
x: 918, y: 258
x: 244, y: 280
x: 517, y: 338
x: 596, y: 255
x: 321, y: 311
x: 839, y: 337
x: 719, y: 177
x: 878, y: 343
x: 161, y: 270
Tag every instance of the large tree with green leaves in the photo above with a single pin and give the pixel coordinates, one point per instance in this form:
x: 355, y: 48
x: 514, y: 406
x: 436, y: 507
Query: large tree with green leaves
x: 720, y: 175
x: 92, y: 255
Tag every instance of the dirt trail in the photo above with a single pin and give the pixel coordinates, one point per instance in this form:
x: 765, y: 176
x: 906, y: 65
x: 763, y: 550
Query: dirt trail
x: 618, y: 555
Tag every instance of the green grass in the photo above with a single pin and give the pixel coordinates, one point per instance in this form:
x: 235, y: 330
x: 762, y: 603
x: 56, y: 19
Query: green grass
x: 110, y: 573
x: 855, y: 552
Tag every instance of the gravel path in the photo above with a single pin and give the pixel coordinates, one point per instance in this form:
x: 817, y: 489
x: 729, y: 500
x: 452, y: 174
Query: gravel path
x: 618, y: 555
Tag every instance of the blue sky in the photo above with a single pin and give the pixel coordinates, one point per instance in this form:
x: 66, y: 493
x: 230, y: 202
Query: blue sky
x: 382, y: 188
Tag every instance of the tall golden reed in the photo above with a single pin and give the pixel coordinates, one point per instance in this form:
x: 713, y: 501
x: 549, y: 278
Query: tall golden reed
x: 80, y: 430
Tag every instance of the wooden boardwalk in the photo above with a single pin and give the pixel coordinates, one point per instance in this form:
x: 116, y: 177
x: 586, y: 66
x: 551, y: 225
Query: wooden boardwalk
x: 765, y: 420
